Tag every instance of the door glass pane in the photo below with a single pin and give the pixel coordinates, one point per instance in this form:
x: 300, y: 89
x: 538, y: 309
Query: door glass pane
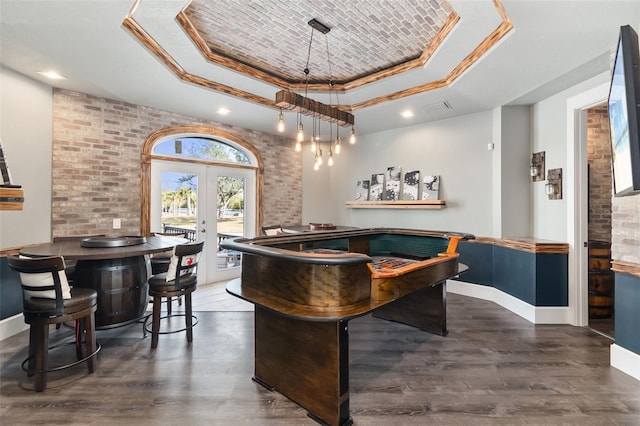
x: 230, y: 193
x: 179, y: 203
x: 202, y: 148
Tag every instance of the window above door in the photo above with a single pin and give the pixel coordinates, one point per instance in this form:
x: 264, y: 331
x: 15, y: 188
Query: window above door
x: 201, y: 148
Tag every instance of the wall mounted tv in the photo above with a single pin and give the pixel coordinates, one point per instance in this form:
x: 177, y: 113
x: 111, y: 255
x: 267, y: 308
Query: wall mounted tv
x: 624, y: 114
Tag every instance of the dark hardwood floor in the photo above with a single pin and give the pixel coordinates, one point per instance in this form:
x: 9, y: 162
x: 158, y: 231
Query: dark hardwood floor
x: 494, y: 368
x: 605, y: 326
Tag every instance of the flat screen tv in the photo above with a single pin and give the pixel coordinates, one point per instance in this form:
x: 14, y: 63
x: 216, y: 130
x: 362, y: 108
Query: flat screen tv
x: 624, y: 114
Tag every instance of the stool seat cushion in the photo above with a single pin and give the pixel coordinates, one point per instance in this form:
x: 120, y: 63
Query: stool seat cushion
x: 45, y: 279
x: 159, y: 283
x: 81, y: 298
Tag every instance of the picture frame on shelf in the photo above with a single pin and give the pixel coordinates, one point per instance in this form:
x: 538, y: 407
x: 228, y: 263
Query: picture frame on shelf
x: 393, y: 183
x: 411, y: 187
x: 362, y: 190
x: 376, y: 189
x: 431, y: 187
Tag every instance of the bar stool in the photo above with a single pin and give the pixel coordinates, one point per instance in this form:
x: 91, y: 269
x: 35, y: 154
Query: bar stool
x: 160, y: 262
x: 47, y: 299
x: 179, y: 280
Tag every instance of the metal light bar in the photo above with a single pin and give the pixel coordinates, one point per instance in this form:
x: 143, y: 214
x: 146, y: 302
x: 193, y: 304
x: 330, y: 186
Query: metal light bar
x: 286, y: 99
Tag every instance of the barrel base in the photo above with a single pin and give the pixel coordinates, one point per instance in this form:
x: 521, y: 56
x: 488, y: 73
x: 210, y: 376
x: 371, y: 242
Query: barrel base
x: 123, y: 292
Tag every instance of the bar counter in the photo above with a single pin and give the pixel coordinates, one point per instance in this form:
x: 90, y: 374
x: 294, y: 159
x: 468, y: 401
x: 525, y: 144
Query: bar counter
x: 306, y: 287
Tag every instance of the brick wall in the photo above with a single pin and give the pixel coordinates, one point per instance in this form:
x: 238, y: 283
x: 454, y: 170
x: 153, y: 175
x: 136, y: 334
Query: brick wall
x: 624, y: 220
x: 625, y: 237
x: 600, y: 184
x: 96, y: 164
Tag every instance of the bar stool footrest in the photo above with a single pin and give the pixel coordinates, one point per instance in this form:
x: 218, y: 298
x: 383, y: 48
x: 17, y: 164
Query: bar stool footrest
x: 147, y: 327
x: 60, y: 367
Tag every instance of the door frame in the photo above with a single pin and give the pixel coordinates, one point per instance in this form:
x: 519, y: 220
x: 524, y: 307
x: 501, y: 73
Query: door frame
x: 195, y: 131
x: 207, y: 209
x: 577, y: 196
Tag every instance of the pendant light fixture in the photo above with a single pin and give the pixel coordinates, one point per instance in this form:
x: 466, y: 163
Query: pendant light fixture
x: 303, y: 105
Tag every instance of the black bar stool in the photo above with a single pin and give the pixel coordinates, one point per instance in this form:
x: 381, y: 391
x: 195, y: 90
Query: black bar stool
x: 179, y: 280
x: 47, y: 299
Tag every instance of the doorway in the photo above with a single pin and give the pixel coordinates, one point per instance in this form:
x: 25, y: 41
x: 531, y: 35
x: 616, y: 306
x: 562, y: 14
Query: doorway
x: 578, y: 199
x: 210, y: 186
x: 209, y: 203
x: 600, y: 277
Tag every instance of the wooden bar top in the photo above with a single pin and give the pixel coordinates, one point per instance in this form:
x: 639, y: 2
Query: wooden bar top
x: 71, y: 249
x: 341, y: 274
x: 527, y: 244
x: 306, y: 312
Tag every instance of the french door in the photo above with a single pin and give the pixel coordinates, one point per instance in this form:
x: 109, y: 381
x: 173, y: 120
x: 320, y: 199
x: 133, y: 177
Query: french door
x: 210, y: 203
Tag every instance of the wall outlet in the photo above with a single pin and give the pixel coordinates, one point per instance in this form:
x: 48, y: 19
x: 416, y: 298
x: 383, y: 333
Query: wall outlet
x: 117, y: 223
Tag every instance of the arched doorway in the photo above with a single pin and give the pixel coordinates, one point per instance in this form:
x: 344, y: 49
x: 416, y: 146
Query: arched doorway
x: 206, y: 182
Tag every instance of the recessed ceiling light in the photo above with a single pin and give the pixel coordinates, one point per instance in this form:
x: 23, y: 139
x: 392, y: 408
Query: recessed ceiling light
x: 407, y: 113
x: 224, y: 111
x: 52, y: 75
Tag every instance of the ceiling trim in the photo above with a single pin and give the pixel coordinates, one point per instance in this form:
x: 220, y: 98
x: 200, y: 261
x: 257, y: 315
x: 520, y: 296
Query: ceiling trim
x: 157, y: 50
x: 292, y: 85
x: 491, y: 40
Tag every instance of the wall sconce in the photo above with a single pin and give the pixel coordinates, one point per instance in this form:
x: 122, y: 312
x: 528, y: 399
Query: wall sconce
x: 553, y: 188
x: 537, y: 166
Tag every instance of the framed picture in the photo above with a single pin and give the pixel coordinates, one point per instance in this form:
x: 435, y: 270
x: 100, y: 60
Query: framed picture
x: 411, y: 187
x: 431, y: 187
x: 376, y: 190
x: 393, y: 183
x: 362, y: 190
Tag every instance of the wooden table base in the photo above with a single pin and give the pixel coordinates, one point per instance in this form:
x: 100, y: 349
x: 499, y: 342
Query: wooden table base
x: 425, y: 309
x: 307, y: 361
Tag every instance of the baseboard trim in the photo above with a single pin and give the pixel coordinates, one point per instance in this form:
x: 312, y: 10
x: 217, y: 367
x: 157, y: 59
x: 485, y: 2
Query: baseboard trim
x: 534, y: 314
x: 12, y: 325
x: 626, y: 361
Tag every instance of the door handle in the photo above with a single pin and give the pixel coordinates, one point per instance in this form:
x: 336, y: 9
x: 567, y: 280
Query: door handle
x: 203, y: 230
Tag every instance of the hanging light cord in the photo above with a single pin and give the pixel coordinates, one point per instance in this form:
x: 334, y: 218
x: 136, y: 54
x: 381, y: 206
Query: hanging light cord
x: 331, y: 82
x: 306, y: 68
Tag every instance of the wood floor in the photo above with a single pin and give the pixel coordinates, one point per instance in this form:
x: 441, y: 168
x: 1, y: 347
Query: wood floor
x: 494, y: 368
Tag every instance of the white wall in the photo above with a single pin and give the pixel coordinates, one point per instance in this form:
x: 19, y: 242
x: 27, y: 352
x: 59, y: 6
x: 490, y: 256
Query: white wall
x: 488, y: 193
x: 455, y: 149
x: 515, y: 180
x: 319, y: 208
x: 549, y: 133
x: 26, y: 132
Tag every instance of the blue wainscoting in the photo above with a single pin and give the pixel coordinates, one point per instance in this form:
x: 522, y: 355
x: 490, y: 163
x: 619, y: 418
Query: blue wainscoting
x: 627, y: 311
x: 10, y: 291
x: 539, y: 279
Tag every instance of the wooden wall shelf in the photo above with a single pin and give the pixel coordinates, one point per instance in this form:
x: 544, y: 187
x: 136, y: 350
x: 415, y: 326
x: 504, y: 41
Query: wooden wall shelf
x: 11, y: 198
x: 401, y: 204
